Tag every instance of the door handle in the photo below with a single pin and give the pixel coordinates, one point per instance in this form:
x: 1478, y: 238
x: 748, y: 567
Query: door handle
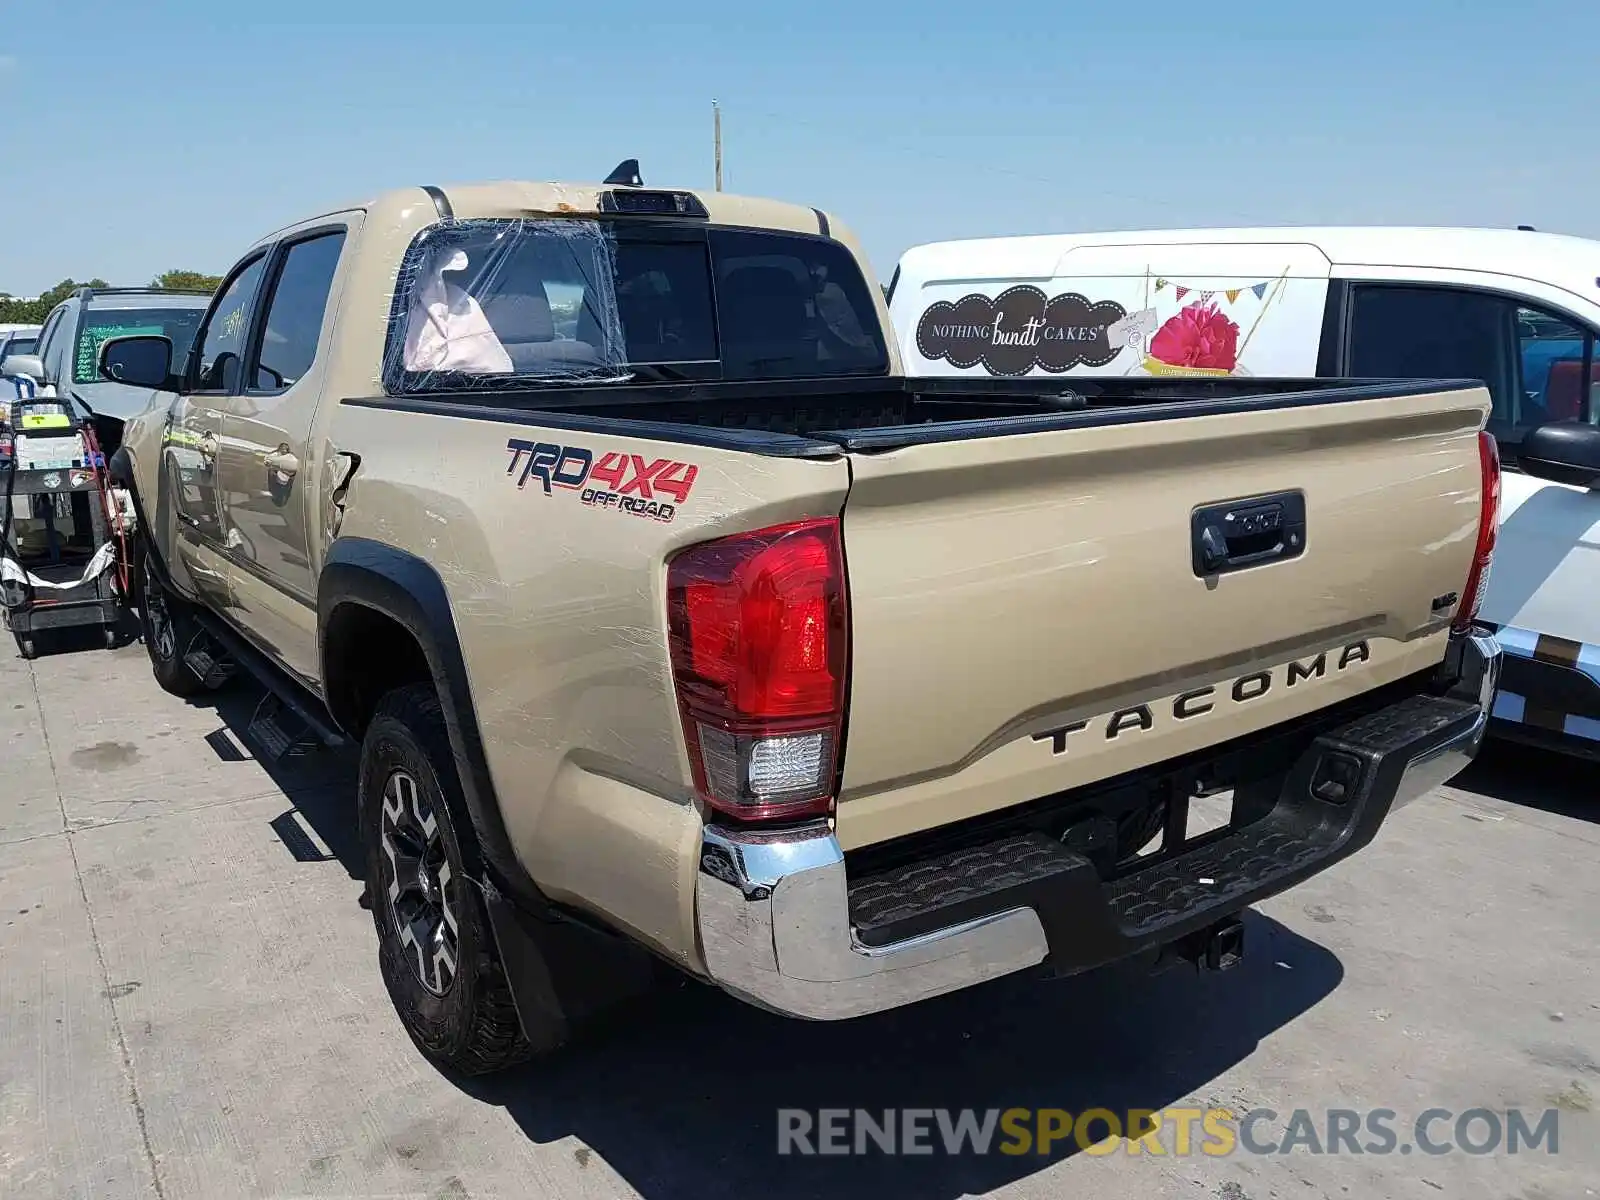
x: 282, y: 462
x: 1247, y: 533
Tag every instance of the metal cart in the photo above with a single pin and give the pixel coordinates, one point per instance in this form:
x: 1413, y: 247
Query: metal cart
x: 60, y: 558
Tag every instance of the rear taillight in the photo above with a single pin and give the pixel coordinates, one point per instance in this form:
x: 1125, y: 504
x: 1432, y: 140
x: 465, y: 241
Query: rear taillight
x: 1488, y: 528
x: 758, y: 628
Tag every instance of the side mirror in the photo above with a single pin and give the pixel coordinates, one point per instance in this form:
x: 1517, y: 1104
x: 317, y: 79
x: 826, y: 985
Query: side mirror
x: 1562, y: 452
x: 144, y: 361
x: 30, y: 366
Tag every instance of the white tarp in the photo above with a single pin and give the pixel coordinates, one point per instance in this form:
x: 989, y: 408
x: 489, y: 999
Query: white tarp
x: 12, y: 572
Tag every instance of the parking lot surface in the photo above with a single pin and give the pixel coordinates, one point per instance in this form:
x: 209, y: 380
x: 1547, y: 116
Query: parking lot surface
x: 190, y: 1006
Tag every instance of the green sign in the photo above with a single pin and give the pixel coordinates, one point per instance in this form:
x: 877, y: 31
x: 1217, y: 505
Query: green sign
x: 87, y: 369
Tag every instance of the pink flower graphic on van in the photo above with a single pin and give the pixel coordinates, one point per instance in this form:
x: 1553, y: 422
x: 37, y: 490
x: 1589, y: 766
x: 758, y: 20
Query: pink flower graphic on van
x: 1199, y: 336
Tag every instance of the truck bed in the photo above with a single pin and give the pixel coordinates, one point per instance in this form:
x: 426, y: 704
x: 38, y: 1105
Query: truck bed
x: 1031, y: 608
x: 822, y: 416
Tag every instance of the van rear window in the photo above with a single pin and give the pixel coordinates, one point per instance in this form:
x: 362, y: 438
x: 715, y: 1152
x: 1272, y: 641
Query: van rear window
x: 498, y: 304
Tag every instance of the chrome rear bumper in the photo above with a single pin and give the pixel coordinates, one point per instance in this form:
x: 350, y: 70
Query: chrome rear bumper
x: 1475, y: 661
x: 775, y: 930
x: 774, y: 907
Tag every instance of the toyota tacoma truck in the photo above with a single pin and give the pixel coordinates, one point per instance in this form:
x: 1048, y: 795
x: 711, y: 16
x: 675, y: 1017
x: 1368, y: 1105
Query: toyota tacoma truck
x: 676, y: 625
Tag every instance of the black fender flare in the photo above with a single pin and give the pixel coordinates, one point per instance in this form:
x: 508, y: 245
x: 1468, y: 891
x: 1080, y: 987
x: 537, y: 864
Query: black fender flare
x: 408, y: 591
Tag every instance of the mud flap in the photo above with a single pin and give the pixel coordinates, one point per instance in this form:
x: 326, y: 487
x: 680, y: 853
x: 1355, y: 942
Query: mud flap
x: 563, y: 975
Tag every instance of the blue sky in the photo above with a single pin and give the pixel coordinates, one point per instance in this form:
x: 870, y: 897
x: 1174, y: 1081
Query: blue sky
x: 158, y: 135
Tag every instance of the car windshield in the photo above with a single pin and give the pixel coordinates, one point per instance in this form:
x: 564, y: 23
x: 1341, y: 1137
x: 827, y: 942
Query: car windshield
x: 501, y: 303
x: 100, y: 326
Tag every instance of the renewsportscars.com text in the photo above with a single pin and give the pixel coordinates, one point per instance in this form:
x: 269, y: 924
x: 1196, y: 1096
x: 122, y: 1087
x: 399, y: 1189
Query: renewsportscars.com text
x: 1176, y: 1132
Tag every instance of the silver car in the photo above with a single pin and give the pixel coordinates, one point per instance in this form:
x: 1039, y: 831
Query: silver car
x: 67, y: 356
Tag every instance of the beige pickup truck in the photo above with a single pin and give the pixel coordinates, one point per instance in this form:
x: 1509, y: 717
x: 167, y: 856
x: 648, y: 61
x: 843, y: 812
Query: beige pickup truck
x: 676, y: 625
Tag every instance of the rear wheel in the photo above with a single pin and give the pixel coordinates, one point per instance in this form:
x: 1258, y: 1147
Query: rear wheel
x: 436, y: 950
x: 169, y: 629
x: 26, y: 646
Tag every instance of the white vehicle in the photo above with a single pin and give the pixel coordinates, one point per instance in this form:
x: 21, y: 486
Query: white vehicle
x: 18, y: 339
x: 1516, y: 309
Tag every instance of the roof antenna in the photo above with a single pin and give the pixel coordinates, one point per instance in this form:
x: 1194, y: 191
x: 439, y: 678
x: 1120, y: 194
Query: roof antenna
x: 1526, y: 229
x: 626, y: 174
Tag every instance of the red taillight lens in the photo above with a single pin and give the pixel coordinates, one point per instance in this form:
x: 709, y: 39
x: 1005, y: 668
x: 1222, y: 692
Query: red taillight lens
x: 1488, y: 530
x: 757, y: 625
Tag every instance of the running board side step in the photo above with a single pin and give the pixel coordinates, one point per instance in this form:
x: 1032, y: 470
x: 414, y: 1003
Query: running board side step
x: 289, y: 719
x: 278, y: 732
x: 209, y: 663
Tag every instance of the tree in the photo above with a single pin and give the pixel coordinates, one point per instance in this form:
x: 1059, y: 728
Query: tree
x: 33, y: 312
x: 188, y: 281
x: 64, y: 289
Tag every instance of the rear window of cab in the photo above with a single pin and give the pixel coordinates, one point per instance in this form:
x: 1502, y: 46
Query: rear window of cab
x: 500, y: 304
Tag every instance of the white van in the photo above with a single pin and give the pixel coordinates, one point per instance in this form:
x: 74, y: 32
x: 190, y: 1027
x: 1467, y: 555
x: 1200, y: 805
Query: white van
x: 1515, y: 308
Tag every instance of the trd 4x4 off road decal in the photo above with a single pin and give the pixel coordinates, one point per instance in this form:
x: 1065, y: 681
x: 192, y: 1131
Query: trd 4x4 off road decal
x: 626, y: 482
x: 1021, y: 329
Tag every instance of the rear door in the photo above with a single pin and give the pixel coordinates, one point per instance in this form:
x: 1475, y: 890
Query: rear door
x: 272, y: 473
x: 194, y: 446
x: 1028, y: 613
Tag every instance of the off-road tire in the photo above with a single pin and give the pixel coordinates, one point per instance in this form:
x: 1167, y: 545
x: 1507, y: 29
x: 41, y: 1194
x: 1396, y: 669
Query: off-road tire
x: 470, y: 1025
x: 169, y: 628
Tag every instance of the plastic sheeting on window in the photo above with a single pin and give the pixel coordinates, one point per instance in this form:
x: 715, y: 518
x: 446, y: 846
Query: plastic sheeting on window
x: 502, y: 303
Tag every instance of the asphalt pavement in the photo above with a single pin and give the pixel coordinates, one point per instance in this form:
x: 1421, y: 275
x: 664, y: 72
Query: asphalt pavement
x: 190, y: 1008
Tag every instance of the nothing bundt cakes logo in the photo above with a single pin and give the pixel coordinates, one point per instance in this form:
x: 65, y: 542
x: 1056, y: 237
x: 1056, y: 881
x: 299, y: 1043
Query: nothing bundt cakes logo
x: 1021, y: 329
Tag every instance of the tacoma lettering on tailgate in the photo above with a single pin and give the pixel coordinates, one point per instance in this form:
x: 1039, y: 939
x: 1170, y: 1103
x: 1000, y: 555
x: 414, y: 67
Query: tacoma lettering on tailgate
x: 1142, y: 717
x: 624, y: 482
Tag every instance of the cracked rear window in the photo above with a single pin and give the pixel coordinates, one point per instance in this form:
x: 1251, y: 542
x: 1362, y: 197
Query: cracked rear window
x: 494, y: 304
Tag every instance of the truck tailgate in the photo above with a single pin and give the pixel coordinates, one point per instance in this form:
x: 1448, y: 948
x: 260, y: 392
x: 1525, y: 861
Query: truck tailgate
x: 1028, y: 615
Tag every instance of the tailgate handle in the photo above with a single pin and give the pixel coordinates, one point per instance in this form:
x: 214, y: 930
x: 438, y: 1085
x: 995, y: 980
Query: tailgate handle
x: 1233, y: 535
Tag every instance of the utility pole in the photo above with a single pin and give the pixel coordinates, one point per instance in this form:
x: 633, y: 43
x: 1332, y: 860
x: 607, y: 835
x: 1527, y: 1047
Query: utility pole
x: 716, y: 133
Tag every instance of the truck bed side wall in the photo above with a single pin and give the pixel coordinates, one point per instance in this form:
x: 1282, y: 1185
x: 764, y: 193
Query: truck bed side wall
x: 559, y: 604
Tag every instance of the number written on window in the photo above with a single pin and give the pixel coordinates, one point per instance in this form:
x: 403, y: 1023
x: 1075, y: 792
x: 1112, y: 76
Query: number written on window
x: 221, y: 343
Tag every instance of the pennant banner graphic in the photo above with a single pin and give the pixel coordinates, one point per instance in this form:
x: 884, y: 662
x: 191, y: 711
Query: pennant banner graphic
x: 1233, y: 294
